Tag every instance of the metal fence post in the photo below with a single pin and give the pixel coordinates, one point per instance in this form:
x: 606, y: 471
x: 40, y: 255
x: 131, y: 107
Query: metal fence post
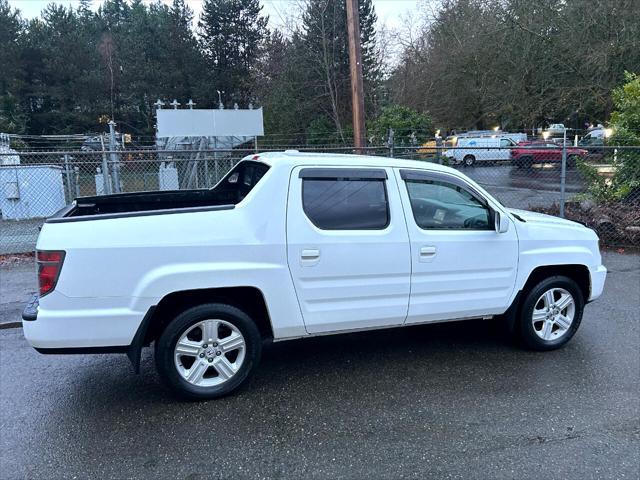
x: 114, y: 157
x: 68, y: 176
x: 76, y: 181
x: 390, y: 142
x: 563, y: 173
x: 105, y: 169
x: 206, y: 171
x: 215, y: 158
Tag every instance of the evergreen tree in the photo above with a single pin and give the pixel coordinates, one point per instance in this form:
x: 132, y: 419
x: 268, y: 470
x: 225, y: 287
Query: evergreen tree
x: 183, y: 65
x: 232, y: 34
x: 326, y: 61
x: 278, y: 90
x: 12, y: 116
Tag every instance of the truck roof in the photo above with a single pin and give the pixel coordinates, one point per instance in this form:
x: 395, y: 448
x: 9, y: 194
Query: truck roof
x: 293, y: 158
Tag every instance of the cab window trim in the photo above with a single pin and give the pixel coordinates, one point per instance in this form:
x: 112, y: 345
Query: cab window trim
x: 445, y: 177
x: 354, y: 174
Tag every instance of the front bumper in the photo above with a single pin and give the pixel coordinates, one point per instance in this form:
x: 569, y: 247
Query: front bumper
x: 598, y: 276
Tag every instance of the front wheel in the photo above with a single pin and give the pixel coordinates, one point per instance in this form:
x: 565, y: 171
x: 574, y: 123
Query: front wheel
x: 469, y: 160
x: 551, y: 313
x: 208, y: 351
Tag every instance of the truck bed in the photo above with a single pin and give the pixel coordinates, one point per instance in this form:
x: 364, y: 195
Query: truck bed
x: 146, y: 201
x: 224, y: 196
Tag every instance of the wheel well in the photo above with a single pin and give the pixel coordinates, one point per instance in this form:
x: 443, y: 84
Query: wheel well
x: 577, y: 273
x: 248, y: 299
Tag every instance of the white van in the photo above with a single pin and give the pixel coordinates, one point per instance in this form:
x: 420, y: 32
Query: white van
x: 470, y: 150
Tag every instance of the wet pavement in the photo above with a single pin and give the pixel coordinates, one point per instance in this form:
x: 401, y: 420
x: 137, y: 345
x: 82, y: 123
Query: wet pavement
x: 18, y: 283
x: 538, y: 186
x: 442, y: 401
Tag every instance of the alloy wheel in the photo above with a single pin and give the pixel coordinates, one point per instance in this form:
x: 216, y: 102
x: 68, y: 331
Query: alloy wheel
x: 209, y: 353
x: 553, y: 314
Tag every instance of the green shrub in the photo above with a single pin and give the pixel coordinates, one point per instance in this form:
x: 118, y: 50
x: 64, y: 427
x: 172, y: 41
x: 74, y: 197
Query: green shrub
x: 409, y: 126
x: 624, y: 184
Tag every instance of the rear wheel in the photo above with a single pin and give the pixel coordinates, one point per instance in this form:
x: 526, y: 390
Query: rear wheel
x: 208, y: 351
x: 551, y: 313
x: 572, y: 160
x: 469, y: 160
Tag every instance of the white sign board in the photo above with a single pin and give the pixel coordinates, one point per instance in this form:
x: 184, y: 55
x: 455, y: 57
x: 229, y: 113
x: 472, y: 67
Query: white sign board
x: 209, y: 123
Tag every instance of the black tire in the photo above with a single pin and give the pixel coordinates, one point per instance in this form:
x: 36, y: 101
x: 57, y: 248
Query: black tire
x: 469, y: 160
x: 525, y: 327
x: 165, y: 345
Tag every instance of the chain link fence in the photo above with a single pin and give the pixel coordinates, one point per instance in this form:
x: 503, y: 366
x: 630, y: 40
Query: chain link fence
x: 597, y: 187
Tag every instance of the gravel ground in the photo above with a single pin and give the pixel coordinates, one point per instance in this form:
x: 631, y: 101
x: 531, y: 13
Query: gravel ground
x: 440, y: 401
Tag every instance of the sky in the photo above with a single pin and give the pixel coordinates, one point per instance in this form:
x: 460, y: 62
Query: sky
x: 390, y: 12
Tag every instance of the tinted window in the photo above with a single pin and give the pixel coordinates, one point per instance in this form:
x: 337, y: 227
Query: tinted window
x: 240, y: 181
x: 342, y: 204
x: 442, y: 205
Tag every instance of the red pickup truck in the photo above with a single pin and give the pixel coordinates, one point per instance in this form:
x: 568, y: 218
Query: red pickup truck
x: 528, y: 153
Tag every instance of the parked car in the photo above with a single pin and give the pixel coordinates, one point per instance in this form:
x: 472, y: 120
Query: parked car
x: 470, y: 150
x: 293, y: 245
x: 556, y: 128
x: 524, y: 155
x: 590, y: 140
x: 430, y: 148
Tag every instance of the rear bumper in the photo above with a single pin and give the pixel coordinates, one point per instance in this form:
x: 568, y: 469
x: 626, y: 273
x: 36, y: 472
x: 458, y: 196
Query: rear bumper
x: 73, y: 331
x: 60, y: 322
x: 30, y: 312
x: 598, y: 276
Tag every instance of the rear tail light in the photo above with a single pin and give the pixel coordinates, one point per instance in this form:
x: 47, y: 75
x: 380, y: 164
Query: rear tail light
x: 49, y: 265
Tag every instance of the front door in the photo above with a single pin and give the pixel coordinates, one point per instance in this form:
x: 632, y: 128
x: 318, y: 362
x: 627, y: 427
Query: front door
x: 461, y: 267
x: 348, y: 248
x: 506, y: 144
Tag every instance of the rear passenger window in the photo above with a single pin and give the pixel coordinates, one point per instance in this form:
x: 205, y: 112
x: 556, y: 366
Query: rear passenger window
x: 346, y: 204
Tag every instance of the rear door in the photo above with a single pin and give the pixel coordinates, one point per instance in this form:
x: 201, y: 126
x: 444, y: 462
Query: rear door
x: 348, y: 248
x: 461, y: 267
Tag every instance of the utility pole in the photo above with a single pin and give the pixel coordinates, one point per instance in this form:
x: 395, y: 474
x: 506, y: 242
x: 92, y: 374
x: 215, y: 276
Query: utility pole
x: 355, y: 64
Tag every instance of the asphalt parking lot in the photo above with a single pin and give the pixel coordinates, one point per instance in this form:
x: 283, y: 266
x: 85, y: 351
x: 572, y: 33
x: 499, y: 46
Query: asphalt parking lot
x: 439, y: 401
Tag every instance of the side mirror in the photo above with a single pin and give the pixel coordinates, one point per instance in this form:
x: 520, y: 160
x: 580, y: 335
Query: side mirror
x: 501, y: 223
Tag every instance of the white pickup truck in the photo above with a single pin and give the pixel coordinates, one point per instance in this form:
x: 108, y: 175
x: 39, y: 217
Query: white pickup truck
x: 292, y: 245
